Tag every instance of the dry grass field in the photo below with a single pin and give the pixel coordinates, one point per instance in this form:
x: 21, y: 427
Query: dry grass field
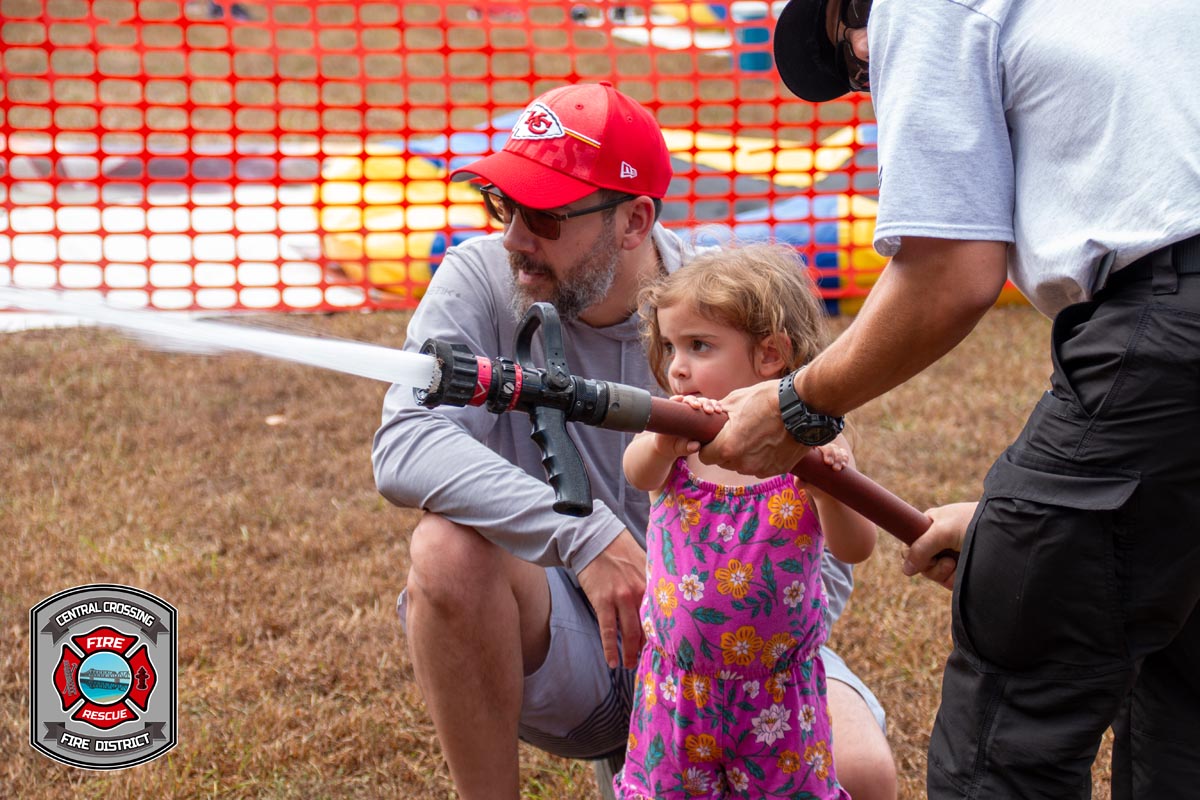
x: 240, y: 490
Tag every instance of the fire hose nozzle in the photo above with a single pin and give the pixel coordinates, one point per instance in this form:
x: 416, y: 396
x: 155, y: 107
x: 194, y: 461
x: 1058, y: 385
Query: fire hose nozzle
x: 549, y: 394
x: 455, y: 375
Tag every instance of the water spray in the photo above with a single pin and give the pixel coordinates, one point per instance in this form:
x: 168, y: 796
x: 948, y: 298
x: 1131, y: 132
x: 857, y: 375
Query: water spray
x: 165, y: 331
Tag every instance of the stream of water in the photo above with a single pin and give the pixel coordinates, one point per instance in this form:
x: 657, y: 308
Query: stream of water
x: 169, y: 331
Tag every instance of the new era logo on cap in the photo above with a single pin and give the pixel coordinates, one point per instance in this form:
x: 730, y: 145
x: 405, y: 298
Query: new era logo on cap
x: 627, y: 171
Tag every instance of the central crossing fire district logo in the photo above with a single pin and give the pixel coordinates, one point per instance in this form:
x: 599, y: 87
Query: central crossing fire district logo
x: 102, y: 683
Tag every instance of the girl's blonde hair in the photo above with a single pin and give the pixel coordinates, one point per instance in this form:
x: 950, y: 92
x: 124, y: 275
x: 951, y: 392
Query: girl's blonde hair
x: 759, y: 289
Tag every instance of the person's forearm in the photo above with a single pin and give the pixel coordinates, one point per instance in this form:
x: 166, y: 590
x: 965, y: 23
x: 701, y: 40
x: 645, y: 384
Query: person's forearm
x: 927, y: 300
x: 423, y: 460
x: 849, y: 536
x: 646, y: 467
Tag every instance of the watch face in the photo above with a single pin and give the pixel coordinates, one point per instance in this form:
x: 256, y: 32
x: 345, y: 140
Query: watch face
x: 817, y: 435
x: 805, y: 427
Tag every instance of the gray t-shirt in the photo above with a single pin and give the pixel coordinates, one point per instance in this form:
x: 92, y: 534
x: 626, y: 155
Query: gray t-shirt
x: 481, y: 469
x: 1069, y: 129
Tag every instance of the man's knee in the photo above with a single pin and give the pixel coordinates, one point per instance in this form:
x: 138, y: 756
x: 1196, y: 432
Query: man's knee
x: 458, y: 576
x: 869, y: 774
x: 441, y: 554
x: 864, y: 761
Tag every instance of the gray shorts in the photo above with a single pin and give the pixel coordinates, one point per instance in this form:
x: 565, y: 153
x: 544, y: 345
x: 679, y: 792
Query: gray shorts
x: 575, y: 706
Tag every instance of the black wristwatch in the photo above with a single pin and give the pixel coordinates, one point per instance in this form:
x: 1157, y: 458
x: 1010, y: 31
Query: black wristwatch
x: 804, y: 425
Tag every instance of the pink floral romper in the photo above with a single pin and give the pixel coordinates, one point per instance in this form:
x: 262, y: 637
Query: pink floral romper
x: 730, y: 696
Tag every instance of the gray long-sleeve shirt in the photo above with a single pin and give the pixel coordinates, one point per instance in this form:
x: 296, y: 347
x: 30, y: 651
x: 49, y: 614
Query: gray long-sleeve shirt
x: 481, y: 469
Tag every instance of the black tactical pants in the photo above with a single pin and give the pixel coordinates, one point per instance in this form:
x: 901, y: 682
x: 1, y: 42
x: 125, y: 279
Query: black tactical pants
x: 1075, y: 605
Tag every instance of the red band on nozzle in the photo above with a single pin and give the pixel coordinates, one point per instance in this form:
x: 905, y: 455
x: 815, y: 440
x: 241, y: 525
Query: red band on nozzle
x: 483, y: 382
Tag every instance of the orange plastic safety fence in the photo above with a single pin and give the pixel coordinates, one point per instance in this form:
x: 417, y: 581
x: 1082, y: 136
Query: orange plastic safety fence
x: 293, y: 154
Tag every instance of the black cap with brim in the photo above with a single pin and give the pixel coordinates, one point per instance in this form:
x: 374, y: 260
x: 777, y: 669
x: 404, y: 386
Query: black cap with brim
x: 804, y: 56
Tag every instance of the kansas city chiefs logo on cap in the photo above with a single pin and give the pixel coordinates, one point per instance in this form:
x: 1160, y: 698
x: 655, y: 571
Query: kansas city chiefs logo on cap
x: 537, y: 122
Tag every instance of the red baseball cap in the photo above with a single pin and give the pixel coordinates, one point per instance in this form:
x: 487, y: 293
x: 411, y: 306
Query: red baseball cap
x: 573, y: 140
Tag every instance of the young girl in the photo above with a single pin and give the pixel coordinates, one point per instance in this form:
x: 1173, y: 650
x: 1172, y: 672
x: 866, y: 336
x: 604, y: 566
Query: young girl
x: 730, y: 698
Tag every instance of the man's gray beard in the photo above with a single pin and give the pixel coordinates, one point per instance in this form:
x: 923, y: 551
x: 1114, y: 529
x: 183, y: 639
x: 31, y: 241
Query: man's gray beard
x: 586, y: 283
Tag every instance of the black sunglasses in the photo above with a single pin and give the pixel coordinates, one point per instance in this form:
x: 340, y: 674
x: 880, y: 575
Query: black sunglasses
x: 853, y: 14
x: 543, y: 224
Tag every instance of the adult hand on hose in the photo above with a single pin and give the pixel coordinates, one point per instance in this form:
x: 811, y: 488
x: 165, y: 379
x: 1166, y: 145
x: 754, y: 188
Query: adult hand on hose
x: 927, y: 554
x: 754, y: 441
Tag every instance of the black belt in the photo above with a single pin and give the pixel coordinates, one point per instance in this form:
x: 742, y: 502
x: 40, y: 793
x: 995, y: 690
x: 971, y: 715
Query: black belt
x: 1183, y: 255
